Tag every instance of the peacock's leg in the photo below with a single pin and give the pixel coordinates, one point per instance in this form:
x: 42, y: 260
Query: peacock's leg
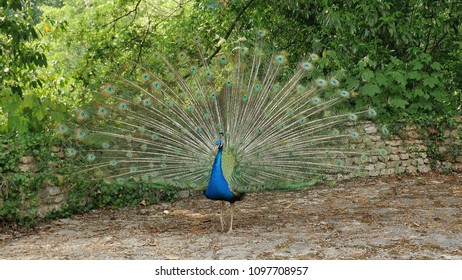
x: 222, y: 220
x: 232, y: 214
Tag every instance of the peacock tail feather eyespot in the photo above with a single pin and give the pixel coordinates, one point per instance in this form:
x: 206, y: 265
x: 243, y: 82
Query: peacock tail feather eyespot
x: 335, y: 132
x: 306, y: 66
x: 344, y: 93
x: 157, y: 85
x: 353, y: 117
x: 281, y: 126
x: 122, y: 106
x: 228, y: 83
x: 145, y: 77
x: 364, y: 158
x: 214, y: 96
x: 147, y: 102
x: 262, y: 33
x: 383, y: 152
x: 280, y: 58
x: 61, y: 129
x: 91, y: 157
x: 301, y: 121
x: 169, y: 104
x: 316, y: 100
x: 71, y: 152
x: 133, y: 169
x: 120, y: 181
x: 163, y: 165
x: 155, y: 137
x: 79, y: 134
x: 334, y: 82
x: 198, y: 129
x: 321, y: 82
x: 193, y: 69
x: 276, y: 87
x: 257, y: 87
x: 355, y: 134
x: 129, y: 154
x: 385, y: 130
x: 223, y: 59
x: 206, y: 116
x: 81, y: 115
x: 182, y: 55
x: 314, y: 57
x: 208, y: 75
x: 102, y: 111
x: 372, y: 112
x: 259, y: 131
x: 300, y: 88
x: 113, y: 162
x: 107, y: 90
x: 156, y: 55
x: 105, y: 145
x: 129, y: 138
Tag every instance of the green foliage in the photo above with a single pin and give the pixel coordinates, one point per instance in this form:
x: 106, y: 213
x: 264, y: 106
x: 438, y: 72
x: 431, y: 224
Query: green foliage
x: 19, y: 191
x: 20, y: 54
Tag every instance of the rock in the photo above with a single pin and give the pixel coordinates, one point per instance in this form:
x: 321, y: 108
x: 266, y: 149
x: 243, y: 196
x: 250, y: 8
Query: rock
x: 370, y: 129
x: 26, y: 159
x: 404, y: 156
x: 59, y: 198
x: 55, y: 149
x: 457, y: 167
x: 413, y: 134
x: 373, y: 159
x: 423, y: 168
x: 369, y: 167
x: 52, y: 190
x: 380, y: 165
x: 183, y: 194
x: 394, y: 143
x: 393, y: 164
x: 30, y: 167
x: 411, y: 169
x: 394, y: 157
x: 389, y: 171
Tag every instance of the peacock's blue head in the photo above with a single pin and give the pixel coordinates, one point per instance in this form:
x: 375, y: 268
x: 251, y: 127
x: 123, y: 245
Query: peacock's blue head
x: 219, y: 142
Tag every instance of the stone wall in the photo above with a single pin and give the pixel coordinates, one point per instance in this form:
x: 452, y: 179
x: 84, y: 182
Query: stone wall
x: 410, y: 152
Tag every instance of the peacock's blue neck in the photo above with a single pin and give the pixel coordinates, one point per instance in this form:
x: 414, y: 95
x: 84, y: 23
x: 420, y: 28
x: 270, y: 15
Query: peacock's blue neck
x: 218, y: 188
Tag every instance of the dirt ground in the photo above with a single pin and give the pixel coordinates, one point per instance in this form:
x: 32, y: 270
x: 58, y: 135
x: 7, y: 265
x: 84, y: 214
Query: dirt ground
x: 381, y: 218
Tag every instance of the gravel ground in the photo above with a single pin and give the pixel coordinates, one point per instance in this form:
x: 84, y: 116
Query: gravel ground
x: 379, y: 218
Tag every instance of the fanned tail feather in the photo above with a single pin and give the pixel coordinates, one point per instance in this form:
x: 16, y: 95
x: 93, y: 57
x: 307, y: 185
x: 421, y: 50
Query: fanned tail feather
x: 162, y: 126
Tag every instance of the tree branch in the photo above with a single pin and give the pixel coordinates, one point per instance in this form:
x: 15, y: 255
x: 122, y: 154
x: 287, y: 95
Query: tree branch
x: 135, y: 10
x: 230, y: 29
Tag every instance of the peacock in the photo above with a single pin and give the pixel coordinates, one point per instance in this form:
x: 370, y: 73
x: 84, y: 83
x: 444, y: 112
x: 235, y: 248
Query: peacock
x: 241, y: 120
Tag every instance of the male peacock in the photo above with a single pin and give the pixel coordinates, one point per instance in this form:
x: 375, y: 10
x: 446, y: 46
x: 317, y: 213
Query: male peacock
x: 240, y: 122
